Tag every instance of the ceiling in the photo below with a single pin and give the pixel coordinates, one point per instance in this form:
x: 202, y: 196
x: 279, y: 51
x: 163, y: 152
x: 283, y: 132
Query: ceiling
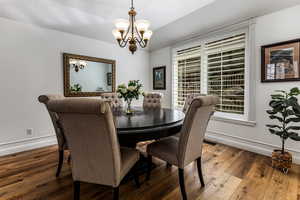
x: 171, y: 19
x: 217, y: 14
x: 94, y: 18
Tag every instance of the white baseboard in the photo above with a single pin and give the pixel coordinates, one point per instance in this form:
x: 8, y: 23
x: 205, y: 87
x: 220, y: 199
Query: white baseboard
x: 234, y: 141
x: 27, y: 144
x: 249, y: 145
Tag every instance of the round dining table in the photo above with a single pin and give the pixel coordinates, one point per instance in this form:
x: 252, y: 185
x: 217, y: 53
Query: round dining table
x: 147, y: 124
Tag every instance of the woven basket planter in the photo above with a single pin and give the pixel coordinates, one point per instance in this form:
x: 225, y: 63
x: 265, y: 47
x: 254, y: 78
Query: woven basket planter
x: 280, y: 161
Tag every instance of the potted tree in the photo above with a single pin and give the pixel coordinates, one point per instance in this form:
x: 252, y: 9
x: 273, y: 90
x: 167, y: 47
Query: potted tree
x: 285, y: 110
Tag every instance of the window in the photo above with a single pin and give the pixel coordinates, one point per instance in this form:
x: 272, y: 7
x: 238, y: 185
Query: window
x: 225, y: 72
x: 187, y: 74
x: 216, y: 68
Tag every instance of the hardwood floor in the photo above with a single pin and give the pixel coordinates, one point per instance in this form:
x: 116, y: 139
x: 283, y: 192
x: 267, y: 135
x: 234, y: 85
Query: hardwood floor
x: 229, y: 173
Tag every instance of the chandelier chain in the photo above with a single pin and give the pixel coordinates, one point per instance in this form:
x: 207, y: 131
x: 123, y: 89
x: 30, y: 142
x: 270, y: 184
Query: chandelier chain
x: 132, y: 4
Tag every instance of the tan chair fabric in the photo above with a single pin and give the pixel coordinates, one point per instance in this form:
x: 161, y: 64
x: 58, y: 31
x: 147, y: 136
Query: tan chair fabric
x: 89, y: 128
x: 189, y: 100
x: 114, y: 100
x: 152, y: 100
x: 188, y: 147
x: 45, y: 99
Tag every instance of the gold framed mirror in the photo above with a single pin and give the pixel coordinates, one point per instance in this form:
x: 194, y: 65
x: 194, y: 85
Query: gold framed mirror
x: 88, y: 76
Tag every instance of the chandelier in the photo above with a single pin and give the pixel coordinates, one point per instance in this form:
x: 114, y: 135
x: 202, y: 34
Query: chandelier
x: 132, y: 31
x: 77, y: 64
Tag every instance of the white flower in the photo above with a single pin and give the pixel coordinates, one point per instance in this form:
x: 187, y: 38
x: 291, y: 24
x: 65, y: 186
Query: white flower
x: 131, y: 88
x: 122, y: 86
x: 124, y: 90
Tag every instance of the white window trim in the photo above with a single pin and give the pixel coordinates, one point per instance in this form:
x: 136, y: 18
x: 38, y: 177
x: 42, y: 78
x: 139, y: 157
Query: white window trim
x: 247, y: 27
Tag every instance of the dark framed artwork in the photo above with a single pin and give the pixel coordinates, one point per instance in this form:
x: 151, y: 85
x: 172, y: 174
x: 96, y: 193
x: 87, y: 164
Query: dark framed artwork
x: 159, y: 78
x: 280, y: 62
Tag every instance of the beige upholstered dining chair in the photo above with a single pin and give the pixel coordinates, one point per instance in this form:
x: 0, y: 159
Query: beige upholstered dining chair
x: 62, y: 143
x: 91, y: 134
x: 152, y: 100
x: 114, y: 100
x: 188, y: 101
x: 188, y: 148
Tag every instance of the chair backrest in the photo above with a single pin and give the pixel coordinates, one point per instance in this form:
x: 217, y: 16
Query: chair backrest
x: 152, y: 100
x: 45, y: 99
x: 91, y: 134
x: 194, y: 128
x: 115, y: 101
x: 189, y: 100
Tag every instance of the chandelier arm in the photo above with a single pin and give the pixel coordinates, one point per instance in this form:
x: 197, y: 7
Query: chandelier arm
x: 123, y: 43
x: 141, y: 42
x: 124, y: 37
x: 140, y: 37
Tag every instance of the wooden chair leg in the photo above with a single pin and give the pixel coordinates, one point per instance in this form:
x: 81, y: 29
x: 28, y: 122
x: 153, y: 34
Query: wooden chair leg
x: 69, y: 159
x: 76, y: 190
x: 60, y: 162
x: 181, y: 183
x: 136, y: 176
x: 169, y: 165
x: 200, y: 172
x: 116, y: 193
x: 149, y: 158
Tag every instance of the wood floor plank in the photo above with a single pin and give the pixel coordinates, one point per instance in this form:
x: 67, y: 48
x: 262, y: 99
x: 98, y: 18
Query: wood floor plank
x: 229, y: 173
x: 255, y: 183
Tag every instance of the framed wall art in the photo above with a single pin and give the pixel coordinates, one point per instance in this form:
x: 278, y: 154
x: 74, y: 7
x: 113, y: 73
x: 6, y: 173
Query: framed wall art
x: 159, y: 78
x: 280, y: 62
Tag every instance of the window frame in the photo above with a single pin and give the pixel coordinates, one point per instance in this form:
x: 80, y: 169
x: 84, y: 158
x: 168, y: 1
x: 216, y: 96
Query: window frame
x: 248, y: 28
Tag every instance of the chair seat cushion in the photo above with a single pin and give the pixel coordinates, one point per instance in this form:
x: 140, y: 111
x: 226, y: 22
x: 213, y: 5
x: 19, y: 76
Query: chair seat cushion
x: 165, y: 149
x: 128, y: 158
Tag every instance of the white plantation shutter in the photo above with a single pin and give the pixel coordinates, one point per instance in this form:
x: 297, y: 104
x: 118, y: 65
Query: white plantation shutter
x: 225, y: 60
x: 187, y: 73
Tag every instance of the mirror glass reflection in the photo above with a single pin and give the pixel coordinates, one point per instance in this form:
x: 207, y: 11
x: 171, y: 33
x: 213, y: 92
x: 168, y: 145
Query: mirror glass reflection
x: 89, y: 76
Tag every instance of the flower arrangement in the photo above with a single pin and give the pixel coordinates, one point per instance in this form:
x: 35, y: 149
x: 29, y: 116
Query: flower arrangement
x: 132, y: 91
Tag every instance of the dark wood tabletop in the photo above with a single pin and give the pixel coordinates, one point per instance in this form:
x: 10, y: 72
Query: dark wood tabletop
x: 147, y: 124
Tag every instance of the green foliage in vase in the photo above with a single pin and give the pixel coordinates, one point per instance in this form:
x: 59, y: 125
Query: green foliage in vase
x: 285, y: 110
x: 132, y: 91
x: 76, y: 88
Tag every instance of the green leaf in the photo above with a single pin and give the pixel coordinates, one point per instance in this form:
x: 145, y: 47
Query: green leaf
x: 296, y: 109
x: 277, y: 96
x: 294, y: 119
x: 292, y: 101
x: 273, y: 126
x: 276, y: 117
x: 274, y: 103
x: 295, y: 136
x: 272, y: 131
x: 293, y: 128
x: 295, y: 91
x: 271, y: 112
x: 281, y: 91
x: 291, y: 133
x: 290, y: 112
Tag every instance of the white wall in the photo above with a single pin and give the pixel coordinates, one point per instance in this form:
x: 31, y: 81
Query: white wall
x: 31, y: 65
x: 159, y: 58
x: 272, y: 28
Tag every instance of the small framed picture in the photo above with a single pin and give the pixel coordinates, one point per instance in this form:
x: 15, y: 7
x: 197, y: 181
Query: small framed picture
x: 280, y: 62
x: 159, y: 78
